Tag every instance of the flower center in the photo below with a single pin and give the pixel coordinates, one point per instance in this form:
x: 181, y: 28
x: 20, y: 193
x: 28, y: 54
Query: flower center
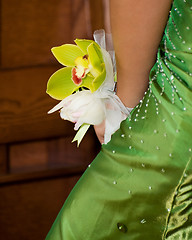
x: 80, y: 70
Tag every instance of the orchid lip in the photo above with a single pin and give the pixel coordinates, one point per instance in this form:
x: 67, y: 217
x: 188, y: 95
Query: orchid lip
x: 77, y: 80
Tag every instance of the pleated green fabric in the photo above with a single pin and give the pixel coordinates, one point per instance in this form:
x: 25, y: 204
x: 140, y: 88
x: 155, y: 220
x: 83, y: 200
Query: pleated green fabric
x: 139, y: 187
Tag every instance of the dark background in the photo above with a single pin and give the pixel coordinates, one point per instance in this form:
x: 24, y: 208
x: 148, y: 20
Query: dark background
x: 38, y: 163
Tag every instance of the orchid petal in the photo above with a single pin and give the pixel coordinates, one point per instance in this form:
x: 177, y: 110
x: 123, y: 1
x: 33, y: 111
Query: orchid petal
x: 57, y: 107
x: 94, y: 113
x: 100, y: 79
x: 67, y: 53
x: 95, y: 58
x: 83, y: 44
x: 60, y: 84
x: 88, y: 82
x: 82, y: 61
x: 82, y: 107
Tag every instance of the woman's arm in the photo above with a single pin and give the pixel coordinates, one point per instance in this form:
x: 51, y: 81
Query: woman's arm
x: 137, y: 28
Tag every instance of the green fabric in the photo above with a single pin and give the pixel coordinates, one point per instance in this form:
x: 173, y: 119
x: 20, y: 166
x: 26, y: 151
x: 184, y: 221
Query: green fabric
x: 139, y: 187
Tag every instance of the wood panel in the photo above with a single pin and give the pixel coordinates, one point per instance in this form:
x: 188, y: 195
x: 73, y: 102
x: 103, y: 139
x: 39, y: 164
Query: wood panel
x: 24, y: 105
x: 79, y: 19
x: 27, y: 210
x: 47, y: 154
x: 30, y: 28
x: 38, y: 164
x: 28, y: 31
x: 3, y: 159
x: 96, y: 14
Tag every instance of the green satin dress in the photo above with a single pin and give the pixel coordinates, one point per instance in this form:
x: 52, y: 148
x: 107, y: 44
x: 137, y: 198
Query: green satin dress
x: 139, y: 187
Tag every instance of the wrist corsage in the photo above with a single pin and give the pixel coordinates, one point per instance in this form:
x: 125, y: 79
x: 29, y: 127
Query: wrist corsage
x: 86, y: 86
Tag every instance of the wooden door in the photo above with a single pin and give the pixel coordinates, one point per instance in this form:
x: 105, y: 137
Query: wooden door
x: 38, y: 163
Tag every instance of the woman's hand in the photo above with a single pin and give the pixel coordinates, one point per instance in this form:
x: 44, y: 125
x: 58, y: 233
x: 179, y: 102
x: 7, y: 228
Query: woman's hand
x: 100, y: 131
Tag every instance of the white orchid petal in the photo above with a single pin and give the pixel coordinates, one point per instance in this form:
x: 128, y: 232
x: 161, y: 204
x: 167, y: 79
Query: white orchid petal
x: 57, y: 107
x: 82, y: 107
x: 94, y: 113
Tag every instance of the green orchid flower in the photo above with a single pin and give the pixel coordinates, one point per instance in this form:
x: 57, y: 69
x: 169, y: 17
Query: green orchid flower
x: 84, y: 68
